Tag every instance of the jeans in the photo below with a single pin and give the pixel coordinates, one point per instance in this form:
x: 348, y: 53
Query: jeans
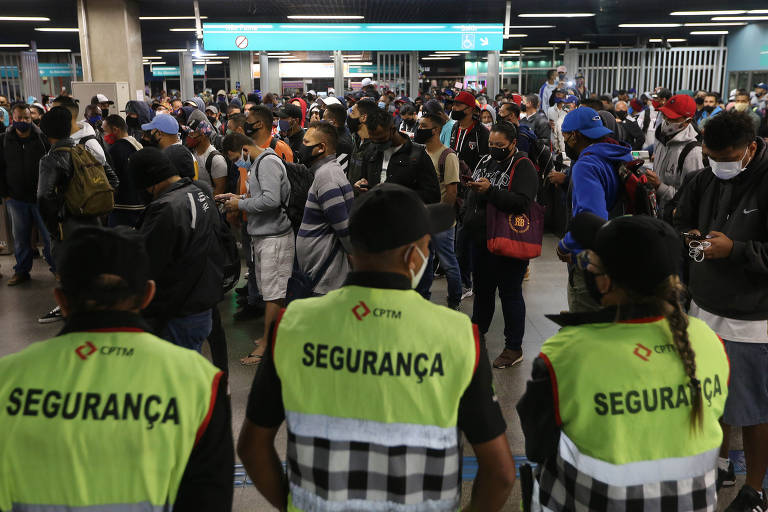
x: 425, y: 284
x: 444, y: 247
x: 506, y: 274
x: 189, y: 331
x: 464, y: 256
x: 217, y: 340
x: 23, y: 216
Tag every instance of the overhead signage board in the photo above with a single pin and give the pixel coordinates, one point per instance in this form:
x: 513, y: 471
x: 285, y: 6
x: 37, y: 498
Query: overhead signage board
x: 364, y: 36
x: 197, y: 70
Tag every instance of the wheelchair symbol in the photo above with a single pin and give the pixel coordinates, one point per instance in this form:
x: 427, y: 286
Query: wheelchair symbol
x: 467, y: 41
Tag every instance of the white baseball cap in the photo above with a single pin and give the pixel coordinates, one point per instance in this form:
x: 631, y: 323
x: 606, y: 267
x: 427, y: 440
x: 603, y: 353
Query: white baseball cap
x: 562, y: 69
x: 103, y: 99
x: 330, y: 100
x: 366, y: 81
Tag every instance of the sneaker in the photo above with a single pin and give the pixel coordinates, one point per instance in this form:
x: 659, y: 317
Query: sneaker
x: 249, y: 312
x: 726, y: 478
x: 18, y: 279
x: 455, y: 307
x: 508, y: 358
x: 748, y: 500
x: 52, y: 316
x: 466, y: 293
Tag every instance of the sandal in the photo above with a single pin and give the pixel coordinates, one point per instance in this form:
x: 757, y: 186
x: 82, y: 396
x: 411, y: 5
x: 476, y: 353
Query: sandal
x: 251, y: 359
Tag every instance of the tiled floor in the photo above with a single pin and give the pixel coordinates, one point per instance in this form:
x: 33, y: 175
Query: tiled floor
x: 544, y: 293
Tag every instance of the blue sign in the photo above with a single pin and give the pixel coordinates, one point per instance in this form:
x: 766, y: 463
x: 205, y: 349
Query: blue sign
x: 197, y: 70
x: 57, y: 69
x: 364, y: 36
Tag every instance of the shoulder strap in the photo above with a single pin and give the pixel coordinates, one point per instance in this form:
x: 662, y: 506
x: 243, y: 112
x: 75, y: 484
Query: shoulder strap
x: 209, y: 162
x: 273, y: 142
x: 441, y: 162
x: 684, y: 154
x: 512, y: 171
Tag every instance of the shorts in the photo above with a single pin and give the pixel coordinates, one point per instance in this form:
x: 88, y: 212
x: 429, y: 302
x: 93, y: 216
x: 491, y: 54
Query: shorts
x: 747, y: 402
x: 273, y: 264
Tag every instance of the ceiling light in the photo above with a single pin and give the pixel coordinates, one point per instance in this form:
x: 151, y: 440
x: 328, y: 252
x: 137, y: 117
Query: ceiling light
x: 193, y: 29
x: 153, y: 58
x: 537, y: 48
x: 53, y: 29
x: 54, y: 50
x: 277, y: 54
x: 13, y: 45
x: 435, y: 58
x: 23, y: 18
x: 324, y: 17
x: 557, y: 15
x: 361, y: 63
x: 529, y: 26
x: 703, y: 13
x: 172, y: 50
x: 649, y: 25
x: 724, y: 24
x: 155, y: 18
x: 568, y: 42
x: 155, y: 63
x: 207, y: 62
x: 708, y: 32
x: 668, y: 40
x: 515, y: 35
x: 758, y: 11
x: 740, y: 18
x: 448, y: 51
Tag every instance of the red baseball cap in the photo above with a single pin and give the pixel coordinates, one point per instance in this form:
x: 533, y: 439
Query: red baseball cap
x: 517, y: 99
x: 466, y: 98
x: 679, y: 105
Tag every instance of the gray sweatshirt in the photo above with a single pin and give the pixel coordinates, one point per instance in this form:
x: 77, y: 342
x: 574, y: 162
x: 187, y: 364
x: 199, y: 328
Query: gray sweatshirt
x: 268, y: 191
x: 665, y: 159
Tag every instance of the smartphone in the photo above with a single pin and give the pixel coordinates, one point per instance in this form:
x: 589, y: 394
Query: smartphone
x: 693, y: 236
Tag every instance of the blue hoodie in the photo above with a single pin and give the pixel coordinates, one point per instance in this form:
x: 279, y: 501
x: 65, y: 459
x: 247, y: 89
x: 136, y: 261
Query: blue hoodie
x: 595, y: 184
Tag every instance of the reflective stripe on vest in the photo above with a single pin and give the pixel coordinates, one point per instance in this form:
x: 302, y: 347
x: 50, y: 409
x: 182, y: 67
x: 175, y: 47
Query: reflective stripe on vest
x: 624, y: 401
x: 100, y: 421
x: 382, y: 368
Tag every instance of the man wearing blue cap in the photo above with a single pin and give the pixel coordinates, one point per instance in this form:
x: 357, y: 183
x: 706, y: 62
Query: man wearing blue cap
x: 595, y: 188
x: 759, y: 97
x: 163, y: 132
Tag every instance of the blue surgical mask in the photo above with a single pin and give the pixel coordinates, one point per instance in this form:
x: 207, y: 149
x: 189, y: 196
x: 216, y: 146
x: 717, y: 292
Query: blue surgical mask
x: 284, y: 125
x: 94, y: 119
x: 382, y: 104
x: 244, y: 162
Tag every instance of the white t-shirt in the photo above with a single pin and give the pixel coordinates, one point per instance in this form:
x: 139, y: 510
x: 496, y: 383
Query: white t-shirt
x: 218, y: 166
x: 386, y: 157
x: 744, y: 331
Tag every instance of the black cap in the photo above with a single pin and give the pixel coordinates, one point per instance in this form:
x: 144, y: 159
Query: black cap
x: 181, y: 159
x: 149, y: 166
x: 93, y: 251
x: 289, y: 110
x: 390, y: 216
x: 639, y: 252
x: 57, y: 123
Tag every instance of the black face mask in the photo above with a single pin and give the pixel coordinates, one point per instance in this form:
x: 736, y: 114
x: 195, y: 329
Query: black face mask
x: 699, y: 100
x: 249, y: 129
x: 499, y: 154
x: 571, y: 152
x: 621, y: 114
x: 133, y: 123
x: 422, y: 135
x: 212, y: 120
x: 709, y: 109
x: 353, y: 123
x: 409, y: 122
x: 458, y: 115
x: 305, y: 154
x: 104, y: 113
x: 36, y: 121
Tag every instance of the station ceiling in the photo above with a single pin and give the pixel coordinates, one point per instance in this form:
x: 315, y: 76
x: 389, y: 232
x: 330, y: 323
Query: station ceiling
x: 599, y: 30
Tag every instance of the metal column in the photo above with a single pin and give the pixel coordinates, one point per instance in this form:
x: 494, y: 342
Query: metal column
x: 30, y: 74
x: 186, y: 76
x: 492, y: 83
x: 338, y: 73
x: 263, y: 72
x: 413, y: 75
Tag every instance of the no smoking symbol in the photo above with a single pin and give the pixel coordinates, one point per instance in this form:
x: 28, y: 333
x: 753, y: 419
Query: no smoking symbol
x: 241, y: 42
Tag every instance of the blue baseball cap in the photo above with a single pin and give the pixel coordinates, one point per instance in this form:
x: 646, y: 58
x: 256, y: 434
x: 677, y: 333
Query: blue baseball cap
x: 586, y: 121
x: 165, y: 123
x: 762, y: 85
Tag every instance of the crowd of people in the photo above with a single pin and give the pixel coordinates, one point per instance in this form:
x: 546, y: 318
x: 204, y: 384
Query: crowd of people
x: 343, y: 211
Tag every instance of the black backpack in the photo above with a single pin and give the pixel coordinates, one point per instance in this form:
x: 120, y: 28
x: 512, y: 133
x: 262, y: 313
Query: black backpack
x: 233, y: 173
x: 300, y: 178
x: 230, y: 253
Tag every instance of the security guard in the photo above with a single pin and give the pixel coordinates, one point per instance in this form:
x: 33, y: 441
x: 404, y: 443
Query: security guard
x: 624, y: 403
x: 373, y: 381
x: 106, y: 416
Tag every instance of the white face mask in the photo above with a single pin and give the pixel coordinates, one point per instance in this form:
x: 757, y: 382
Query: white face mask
x: 488, y: 125
x: 670, y: 129
x: 416, y: 277
x: 728, y: 170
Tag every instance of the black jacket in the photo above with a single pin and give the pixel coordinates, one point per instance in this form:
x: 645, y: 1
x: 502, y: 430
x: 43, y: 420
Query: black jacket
x: 539, y: 123
x: 127, y: 196
x: 20, y: 164
x: 409, y: 166
x: 470, y: 147
x: 631, y: 133
x: 737, y: 286
x: 55, y: 174
x: 178, y: 230
x: 515, y: 199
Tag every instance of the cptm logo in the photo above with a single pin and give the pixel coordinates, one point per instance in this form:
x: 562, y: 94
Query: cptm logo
x: 361, y: 311
x: 83, y: 351
x: 642, y: 352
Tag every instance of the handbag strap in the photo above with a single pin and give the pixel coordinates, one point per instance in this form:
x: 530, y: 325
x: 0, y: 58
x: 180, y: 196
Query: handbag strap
x: 512, y: 171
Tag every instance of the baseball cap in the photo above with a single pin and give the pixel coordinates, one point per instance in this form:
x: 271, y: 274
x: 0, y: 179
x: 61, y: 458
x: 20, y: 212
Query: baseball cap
x: 407, y: 218
x: 165, y: 124
x: 366, y: 81
x: 203, y: 126
x: 94, y: 251
x: 571, y: 99
x: 680, y: 105
x: 330, y: 100
x: 466, y: 98
x: 212, y: 108
x: 100, y: 98
x: 289, y: 110
x: 586, y: 121
x: 149, y: 166
x: 517, y: 99
x: 562, y: 69
x: 762, y: 85
x: 639, y: 251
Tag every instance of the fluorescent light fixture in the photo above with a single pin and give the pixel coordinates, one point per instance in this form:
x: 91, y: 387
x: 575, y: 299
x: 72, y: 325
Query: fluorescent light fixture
x: 361, y: 63
x: 650, y: 25
x: 54, y: 50
x: 740, y: 18
x: 155, y: 18
x: 724, y: 24
x: 324, y: 17
x: 172, y: 50
x: 435, y: 58
x: 569, y: 42
x: 557, y: 15
x: 207, y: 62
x: 703, y: 13
x: 447, y: 51
x: 154, y: 63
x: 515, y: 35
x: 277, y: 54
x: 53, y: 29
x: 13, y: 45
x: 537, y: 48
x: 153, y: 58
x: 23, y: 18
x: 658, y: 40
x: 708, y: 32
x: 193, y: 29
x: 758, y: 11
x: 512, y: 27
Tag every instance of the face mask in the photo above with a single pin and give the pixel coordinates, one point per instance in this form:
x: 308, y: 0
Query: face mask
x: 21, y: 126
x: 243, y: 162
x: 488, y: 125
x: 670, y: 129
x: 110, y: 138
x: 149, y: 140
x: 192, y: 142
x: 36, y: 121
x: 305, y: 154
x: 741, y: 107
x: 212, y: 120
x: 699, y: 100
x: 104, y: 112
x: 409, y: 122
x: 284, y: 125
x: 229, y: 131
x: 621, y: 114
x: 94, y: 120
x: 499, y: 154
x: 571, y: 152
x: 708, y: 109
x: 249, y: 129
x: 353, y: 123
x: 422, y: 135
x: 458, y: 115
x: 728, y: 170
x: 416, y: 277
x: 382, y: 104
x: 382, y: 146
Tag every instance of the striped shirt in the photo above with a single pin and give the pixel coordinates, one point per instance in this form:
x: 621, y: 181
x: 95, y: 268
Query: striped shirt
x: 324, y: 231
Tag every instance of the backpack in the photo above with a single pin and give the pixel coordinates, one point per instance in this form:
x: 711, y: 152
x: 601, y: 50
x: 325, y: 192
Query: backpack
x: 636, y: 195
x: 100, y: 140
x: 88, y: 193
x: 231, y: 255
x: 233, y: 174
x: 300, y: 178
x: 684, y: 154
x: 441, y: 163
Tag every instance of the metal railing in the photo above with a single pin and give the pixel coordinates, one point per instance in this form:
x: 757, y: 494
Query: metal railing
x: 10, y: 79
